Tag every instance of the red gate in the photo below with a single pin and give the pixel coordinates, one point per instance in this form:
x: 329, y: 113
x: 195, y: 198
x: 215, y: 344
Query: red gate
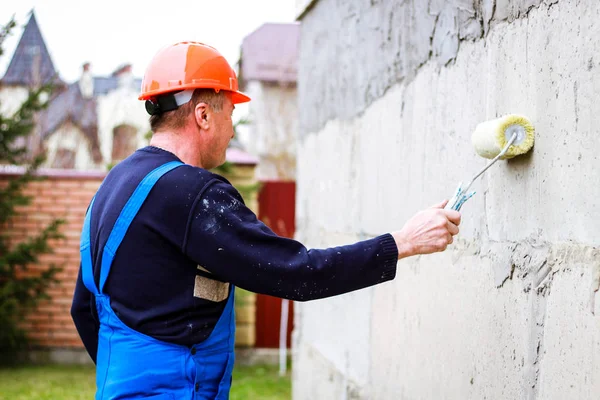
x: 277, y: 209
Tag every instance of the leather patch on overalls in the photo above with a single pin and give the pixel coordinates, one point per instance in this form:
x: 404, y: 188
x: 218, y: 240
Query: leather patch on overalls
x: 210, y: 289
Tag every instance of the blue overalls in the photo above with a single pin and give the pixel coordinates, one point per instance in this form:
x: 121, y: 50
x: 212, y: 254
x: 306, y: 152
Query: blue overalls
x: 132, y: 365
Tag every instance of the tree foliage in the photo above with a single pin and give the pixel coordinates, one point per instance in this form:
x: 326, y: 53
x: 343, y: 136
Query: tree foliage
x: 20, y: 288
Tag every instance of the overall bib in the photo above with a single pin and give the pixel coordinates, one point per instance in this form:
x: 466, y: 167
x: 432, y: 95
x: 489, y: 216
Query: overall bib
x: 132, y: 365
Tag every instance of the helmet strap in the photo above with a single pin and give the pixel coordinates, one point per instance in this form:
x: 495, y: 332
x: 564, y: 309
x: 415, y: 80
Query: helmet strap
x: 168, y: 102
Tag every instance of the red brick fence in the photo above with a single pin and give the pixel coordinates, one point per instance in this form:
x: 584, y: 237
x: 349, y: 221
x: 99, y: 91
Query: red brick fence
x: 66, y: 194
x: 63, y: 195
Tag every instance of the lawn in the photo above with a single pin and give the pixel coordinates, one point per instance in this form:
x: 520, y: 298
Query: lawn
x: 74, y: 383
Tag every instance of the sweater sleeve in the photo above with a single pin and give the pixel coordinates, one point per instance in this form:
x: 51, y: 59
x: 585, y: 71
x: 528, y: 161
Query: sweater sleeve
x: 84, y: 318
x: 225, y: 237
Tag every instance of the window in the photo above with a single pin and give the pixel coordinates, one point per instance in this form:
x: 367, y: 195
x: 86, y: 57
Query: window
x: 124, y: 142
x: 64, y: 159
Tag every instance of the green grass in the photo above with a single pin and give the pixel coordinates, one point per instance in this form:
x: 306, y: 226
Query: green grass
x: 47, y: 382
x: 260, y: 382
x: 74, y: 383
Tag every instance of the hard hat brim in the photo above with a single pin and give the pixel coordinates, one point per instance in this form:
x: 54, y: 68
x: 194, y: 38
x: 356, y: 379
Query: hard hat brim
x: 239, y: 97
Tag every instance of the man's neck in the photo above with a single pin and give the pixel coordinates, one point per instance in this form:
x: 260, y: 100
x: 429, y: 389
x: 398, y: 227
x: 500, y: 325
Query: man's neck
x: 176, y: 144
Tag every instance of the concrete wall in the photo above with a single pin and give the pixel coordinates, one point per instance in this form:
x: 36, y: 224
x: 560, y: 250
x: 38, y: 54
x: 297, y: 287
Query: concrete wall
x: 273, y: 131
x: 390, y: 93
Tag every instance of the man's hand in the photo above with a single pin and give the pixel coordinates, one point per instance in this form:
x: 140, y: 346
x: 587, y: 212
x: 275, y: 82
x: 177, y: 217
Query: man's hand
x: 429, y: 231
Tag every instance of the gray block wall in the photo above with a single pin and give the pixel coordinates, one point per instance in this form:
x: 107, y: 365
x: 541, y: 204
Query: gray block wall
x: 389, y: 93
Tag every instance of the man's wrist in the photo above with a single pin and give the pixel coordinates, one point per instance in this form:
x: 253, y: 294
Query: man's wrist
x: 405, y: 248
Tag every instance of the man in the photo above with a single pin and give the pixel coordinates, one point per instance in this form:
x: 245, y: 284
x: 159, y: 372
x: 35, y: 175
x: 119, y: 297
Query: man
x: 165, y: 242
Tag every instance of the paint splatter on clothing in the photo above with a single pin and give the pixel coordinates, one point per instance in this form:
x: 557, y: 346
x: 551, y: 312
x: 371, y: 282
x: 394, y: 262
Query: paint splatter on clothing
x: 192, y: 238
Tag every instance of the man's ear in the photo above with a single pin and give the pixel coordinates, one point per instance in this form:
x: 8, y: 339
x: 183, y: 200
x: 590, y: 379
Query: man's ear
x: 203, y: 116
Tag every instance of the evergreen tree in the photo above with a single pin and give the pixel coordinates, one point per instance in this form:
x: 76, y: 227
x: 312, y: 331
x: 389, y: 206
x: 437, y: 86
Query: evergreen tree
x: 20, y: 290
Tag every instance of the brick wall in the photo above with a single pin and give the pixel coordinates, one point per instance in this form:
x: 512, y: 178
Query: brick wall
x: 243, y: 175
x: 64, y: 195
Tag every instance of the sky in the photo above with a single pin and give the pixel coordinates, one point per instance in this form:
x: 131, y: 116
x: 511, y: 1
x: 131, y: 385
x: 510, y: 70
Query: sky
x: 110, y: 33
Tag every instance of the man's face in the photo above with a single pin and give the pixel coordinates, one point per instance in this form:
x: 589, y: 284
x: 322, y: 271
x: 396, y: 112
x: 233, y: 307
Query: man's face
x: 223, y: 131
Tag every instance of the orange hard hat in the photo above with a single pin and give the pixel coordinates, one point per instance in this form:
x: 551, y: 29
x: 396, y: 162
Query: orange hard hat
x: 188, y: 66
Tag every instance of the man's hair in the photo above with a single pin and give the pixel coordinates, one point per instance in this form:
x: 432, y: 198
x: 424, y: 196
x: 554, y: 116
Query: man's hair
x: 176, y: 119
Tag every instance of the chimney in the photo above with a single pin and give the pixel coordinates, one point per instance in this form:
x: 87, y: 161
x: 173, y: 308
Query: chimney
x: 35, y: 65
x: 124, y: 75
x: 86, y: 82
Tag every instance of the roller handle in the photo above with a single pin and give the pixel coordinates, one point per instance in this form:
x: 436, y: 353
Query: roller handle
x: 452, y: 203
x: 456, y: 202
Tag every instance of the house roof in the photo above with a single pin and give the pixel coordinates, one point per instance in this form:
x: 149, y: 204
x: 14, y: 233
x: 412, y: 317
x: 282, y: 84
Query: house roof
x: 270, y: 54
x: 240, y: 157
x: 104, y: 84
x: 70, y: 105
x: 31, y: 64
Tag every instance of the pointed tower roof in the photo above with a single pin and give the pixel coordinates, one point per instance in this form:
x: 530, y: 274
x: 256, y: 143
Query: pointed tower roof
x: 31, y: 64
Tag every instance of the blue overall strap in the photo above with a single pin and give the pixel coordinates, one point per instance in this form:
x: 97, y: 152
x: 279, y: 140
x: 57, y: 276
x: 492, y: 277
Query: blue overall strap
x: 87, y: 272
x: 129, y: 212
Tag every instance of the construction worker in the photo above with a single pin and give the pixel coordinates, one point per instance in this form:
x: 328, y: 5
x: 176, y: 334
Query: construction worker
x: 165, y: 242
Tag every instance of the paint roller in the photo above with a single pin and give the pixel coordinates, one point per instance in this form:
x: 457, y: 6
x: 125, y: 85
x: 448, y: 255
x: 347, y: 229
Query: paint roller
x: 498, y: 139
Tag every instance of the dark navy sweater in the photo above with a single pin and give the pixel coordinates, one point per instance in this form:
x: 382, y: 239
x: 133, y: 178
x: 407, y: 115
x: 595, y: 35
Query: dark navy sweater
x: 194, y: 232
